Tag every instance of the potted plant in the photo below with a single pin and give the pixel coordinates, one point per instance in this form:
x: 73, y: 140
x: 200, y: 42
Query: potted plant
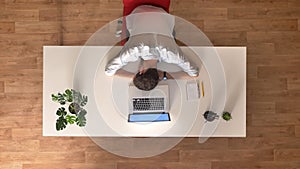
x: 226, y: 116
x: 210, y: 116
x: 71, y: 110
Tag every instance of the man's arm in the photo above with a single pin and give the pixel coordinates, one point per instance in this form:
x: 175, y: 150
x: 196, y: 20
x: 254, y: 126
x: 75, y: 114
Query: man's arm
x: 180, y: 75
x: 124, y: 73
x: 177, y: 75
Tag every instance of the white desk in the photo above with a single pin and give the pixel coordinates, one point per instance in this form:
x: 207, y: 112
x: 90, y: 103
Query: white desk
x: 111, y: 97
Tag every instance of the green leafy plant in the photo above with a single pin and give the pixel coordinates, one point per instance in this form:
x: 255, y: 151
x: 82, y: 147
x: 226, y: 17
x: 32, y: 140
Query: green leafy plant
x: 81, y: 120
x: 75, y: 102
x: 63, y: 98
x: 71, y: 119
x: 68, y: 95
x: 61, y: 111
x: 59, y: 98
x: 226, y: 116
x: 61, y: 122
x: 79, y: 98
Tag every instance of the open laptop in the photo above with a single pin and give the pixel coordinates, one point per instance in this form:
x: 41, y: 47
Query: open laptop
x: 149, y: 106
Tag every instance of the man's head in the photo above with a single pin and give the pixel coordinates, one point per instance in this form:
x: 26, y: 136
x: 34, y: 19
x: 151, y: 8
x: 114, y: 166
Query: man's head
x: 147, y: 80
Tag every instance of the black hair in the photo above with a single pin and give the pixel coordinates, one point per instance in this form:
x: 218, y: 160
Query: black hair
x: 148, y: 80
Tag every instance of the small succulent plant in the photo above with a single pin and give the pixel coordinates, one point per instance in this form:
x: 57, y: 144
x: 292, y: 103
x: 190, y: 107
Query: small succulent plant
x: 226, y: 116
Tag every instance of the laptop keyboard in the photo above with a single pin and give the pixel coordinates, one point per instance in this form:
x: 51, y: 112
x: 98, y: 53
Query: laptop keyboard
x: 144, y: 104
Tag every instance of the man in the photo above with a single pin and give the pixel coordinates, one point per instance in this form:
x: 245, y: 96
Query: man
x: 151, y: 40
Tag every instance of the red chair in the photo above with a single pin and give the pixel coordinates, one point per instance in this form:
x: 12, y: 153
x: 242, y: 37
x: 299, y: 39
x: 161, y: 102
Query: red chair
x: 130, y: 5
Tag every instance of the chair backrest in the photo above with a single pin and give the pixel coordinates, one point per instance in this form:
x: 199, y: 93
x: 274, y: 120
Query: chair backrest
x: 130, y: 5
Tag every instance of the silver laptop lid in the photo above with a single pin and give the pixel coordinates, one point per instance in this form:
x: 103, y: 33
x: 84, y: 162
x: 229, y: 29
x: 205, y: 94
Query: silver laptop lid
x: 155, y: 100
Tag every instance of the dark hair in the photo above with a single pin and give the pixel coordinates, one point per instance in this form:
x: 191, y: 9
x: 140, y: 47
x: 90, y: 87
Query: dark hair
x: 148, y: 80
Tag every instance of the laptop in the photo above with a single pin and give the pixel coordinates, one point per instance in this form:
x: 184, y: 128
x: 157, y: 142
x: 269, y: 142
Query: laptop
x: 149, y: 106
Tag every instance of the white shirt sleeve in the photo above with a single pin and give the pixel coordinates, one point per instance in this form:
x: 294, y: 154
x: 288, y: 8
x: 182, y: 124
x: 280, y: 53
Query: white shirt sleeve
x: 125, y: 56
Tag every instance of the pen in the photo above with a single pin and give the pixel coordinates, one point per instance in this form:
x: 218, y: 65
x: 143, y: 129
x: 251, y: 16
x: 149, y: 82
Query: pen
x: 198, y: 89
x: 202, y: 88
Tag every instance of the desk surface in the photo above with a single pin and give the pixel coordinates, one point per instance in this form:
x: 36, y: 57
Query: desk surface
x: 110, y: 97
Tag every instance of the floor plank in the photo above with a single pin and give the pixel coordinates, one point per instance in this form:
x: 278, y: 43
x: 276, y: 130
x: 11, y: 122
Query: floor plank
x: 19, y: 146
x: 75, y: 165
x: 287, y: 154
x: 38, y: 27
x: 84, y: 27
x: 13, y: 62
x: 20, y: 122
x: 278, y: 71
x: 272, y: 131
x: 31, y: 39
x: 13, y: 165
x: 276, y: 119
x: 264, y: 84
x: 7, y: 27
x: 26, y: 133
x: 2, y: 86
x: 19, y: 51
x: 229, y: 155
x: 229, y: 4
x: 297, y: 131
x: 65, y: 144
x: 25, y: 86
x: 264, y: 13
x: 98, y: 156
x: 293, y: 3
x: 2, y: 5
x: 18, y: 15
x: 5, y: 134
x: 91, y: 14
x: 263, y: 143
x: 202, y: 13
x: 261, y: 107
x: 44, y: 157
x: 210, y: 144
x: 50, y: 14
x: 287, y: 107
x: 273, y: 36
x: 31, y: 4
x: 256, y: 48
x: 255, y: 165
x: 293, y: 84
x: 250, y: 25
x: 170, y: 165
x: 287, y: 48
x: 273, y: 59
x: 229, y: 38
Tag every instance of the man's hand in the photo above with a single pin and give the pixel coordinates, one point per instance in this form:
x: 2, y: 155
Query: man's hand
x: 124, y: 73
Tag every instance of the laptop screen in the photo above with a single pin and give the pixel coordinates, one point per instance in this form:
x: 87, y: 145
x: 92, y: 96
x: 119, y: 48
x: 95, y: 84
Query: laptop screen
x: 148, y: 117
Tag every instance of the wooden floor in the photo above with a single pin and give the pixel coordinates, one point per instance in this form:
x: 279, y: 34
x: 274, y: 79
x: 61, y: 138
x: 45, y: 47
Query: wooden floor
x: 269, y: 28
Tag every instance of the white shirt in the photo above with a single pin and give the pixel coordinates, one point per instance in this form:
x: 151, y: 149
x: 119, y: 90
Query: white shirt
x: 150, y: 38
